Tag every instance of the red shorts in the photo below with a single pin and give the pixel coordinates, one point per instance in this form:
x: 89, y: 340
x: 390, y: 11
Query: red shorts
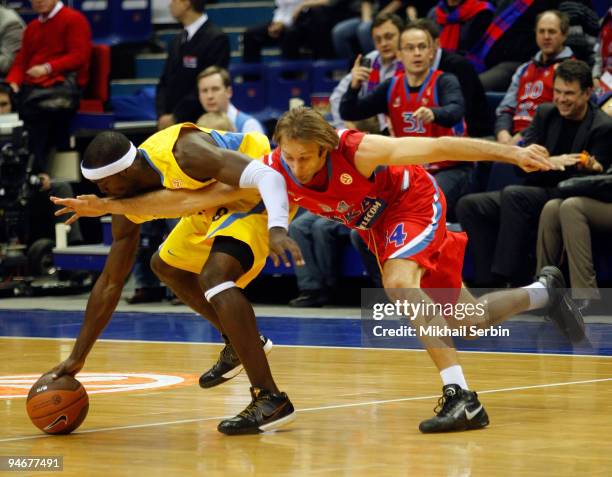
x: 414, y: 228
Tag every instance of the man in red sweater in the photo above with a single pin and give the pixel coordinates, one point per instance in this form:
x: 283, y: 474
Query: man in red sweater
x: 56, y: 50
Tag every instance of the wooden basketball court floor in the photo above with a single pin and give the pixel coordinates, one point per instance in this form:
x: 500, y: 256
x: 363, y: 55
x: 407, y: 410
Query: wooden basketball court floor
x: 358, y: 408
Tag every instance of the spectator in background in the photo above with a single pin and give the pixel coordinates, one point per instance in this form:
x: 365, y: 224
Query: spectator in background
x: 383, y: 64
x: 216, y: 120
x: 48, y: 73
x: 11, y: 31
x: 320, y: 241
x: 423, y: 103
x: 502, y: 225
x: 215, y: 93
x: 532, y: 84
x: 583, y: 31
x: 476, y: 107
x: 602, y: 71
x: 201, y: 44
x: 463, y: 23
x: 269, y: 34
x: 6, y: 99
x: 357, y: 31
x: 313, y: 21
x: 508, y: 41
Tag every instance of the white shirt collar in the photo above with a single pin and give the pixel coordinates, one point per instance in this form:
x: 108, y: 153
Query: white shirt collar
x: 58, y: 6
x: 232, y: 113
x: 195, y: 26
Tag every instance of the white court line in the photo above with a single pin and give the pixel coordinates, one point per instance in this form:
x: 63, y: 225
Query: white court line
x: 309, y: 409
x: 414, y: 350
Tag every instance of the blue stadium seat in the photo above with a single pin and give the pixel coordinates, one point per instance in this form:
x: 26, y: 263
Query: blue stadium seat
x: 240, y: 14
x: 150, y: 65
x: 326, y: 74
x: 249, y: 87
x: 286, y: 80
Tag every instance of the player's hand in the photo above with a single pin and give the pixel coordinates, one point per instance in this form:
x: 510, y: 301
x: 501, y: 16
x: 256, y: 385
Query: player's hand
x: 280, y: 243
x: 82, y: 206
x: 69, y: 367
x: 426, y: 115
x: 359, y: 74
x: 533, y: 158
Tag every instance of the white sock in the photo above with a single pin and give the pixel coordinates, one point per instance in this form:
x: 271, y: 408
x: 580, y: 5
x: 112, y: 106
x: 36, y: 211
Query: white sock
x: 538, y: 295
x: 453, y: 375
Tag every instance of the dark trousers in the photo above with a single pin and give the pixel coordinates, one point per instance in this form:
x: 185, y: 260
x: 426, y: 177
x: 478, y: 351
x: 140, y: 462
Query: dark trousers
x: 454, y: 182
x: 502, y: 229
x: 255, y: 38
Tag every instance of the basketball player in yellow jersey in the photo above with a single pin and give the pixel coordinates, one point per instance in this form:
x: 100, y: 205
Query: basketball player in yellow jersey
x: 207, y: 257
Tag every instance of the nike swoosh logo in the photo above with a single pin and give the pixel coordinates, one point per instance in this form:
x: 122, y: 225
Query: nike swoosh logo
x: 170, y: 253
x: 57, y: 421
x: 470, y: 415
x: 297, y: 199
x: 276, y: 411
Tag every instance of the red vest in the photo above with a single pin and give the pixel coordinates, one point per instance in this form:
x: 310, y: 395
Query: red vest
x: 535, y: 88
x: 350, y: 198
x: 401, y: 104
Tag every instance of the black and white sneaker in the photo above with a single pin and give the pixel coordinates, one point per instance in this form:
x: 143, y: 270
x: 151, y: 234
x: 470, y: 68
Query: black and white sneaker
x: 228, y: 365
x: 562, y: 309
x: 457, y: 410
x: 266, y: 412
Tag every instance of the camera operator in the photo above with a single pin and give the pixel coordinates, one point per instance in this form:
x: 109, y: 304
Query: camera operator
x: 40, y: 186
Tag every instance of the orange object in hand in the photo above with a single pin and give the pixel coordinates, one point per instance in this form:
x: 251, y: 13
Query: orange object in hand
x: 584, y: 158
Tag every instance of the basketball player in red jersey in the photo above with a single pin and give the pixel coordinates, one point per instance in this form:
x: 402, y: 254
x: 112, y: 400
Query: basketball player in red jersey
x: 375, y: 184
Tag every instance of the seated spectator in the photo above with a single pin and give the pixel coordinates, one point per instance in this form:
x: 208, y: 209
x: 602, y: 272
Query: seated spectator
x: 320, y: 241
x: 215, y: 92
x: 508, y: 41
x: 583, y: 31
x: 6, y: 99
x: 602, y: 71
x: 11, y: 31
x: 269, y: 34
x: 565, y: 231
x: 463, y: 23
x: 216, y: 120
x: 49, y: 72
x: 380, y: 64
x: 357, y: 31
x: 532, y: 84
x: 477, y: 115
x: 502, y: 225
x: 313, y: 21
x: 201, y: 44
x: 422, y: 103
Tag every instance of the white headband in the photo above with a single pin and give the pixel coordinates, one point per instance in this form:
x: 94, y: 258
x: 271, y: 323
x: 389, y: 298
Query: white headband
x: 113, y: 168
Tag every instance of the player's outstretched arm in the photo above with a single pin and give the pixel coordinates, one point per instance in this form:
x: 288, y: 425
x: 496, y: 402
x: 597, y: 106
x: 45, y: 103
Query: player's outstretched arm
x: 376, y: 150
x: 105, y: 294
x: 163, y: 203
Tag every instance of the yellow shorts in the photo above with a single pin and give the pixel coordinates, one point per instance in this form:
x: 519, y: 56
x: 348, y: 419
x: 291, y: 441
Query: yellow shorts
x: 188, y: 245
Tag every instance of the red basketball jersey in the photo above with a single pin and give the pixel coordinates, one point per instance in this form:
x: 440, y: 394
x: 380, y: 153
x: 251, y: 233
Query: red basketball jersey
x: 535, y: 88
x: 401, y: 105
x: 350, y: 198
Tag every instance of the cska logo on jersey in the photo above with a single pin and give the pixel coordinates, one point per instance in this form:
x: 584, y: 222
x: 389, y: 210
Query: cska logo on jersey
x: 424, y: 101
x: 396, y: 102
x: 346, y: 179
x: 342, y: 207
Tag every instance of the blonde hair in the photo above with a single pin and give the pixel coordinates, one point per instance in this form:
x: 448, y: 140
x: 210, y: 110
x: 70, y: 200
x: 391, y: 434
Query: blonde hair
x: 216, y: 120
x: 215, y: 70
x: 305, y: 124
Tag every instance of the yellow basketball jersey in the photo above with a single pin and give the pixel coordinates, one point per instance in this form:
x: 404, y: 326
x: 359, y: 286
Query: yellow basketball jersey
x: 158, y: 148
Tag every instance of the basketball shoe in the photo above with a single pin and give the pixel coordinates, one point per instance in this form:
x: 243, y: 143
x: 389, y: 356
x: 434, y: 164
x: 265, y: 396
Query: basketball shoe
x: 562, y: 309
x: 267, y: 411
x: 228, y: 365
x: 457, y: 410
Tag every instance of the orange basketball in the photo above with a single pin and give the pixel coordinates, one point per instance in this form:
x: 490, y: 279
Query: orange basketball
x: 57, y: 407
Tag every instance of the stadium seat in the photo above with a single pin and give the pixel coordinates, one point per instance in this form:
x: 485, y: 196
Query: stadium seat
x: 286, y: 80
x: 96, y: 91
x: 248, y: 86
x: 325, y: 75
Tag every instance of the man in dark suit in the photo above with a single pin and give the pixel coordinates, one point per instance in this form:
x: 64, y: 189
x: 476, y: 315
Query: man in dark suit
x: 200, y: 45
x: 502, y: 225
